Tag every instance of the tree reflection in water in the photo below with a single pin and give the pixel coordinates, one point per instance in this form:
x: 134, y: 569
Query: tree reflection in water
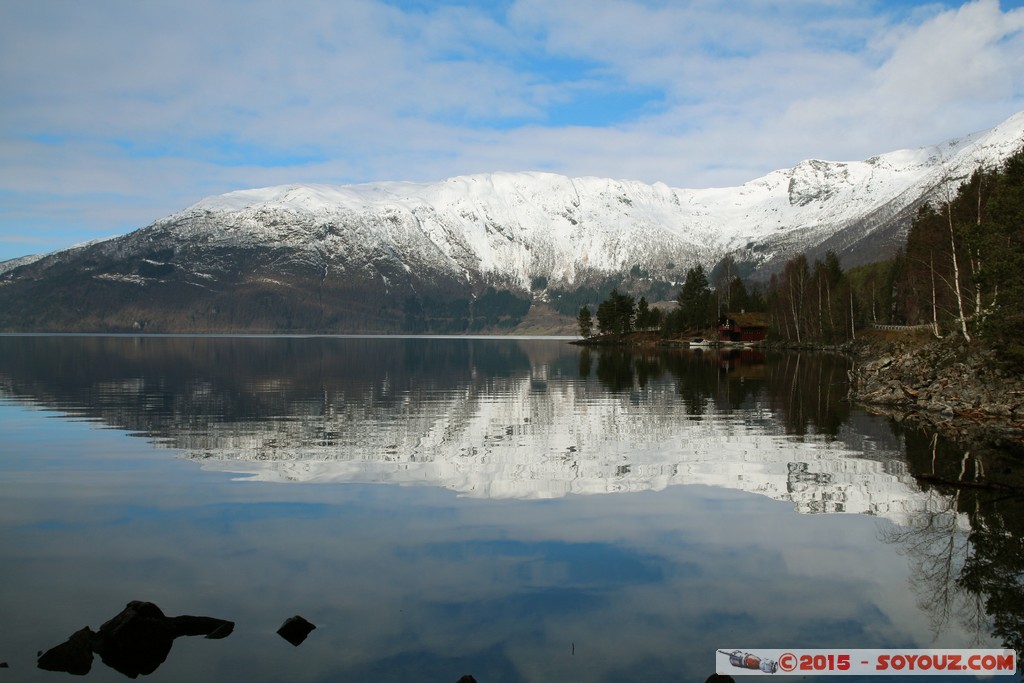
x: 586, y: 362
x: 806, y: 391
x: 967, y: 551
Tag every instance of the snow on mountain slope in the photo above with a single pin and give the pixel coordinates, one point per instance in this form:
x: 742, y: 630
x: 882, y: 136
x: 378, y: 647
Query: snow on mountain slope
x: 416, y: 257
x: 18, y: 262
x: 510, y: 227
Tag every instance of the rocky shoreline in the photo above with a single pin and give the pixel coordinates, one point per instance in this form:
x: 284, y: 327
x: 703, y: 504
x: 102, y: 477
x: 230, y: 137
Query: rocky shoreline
x: 965, y: 393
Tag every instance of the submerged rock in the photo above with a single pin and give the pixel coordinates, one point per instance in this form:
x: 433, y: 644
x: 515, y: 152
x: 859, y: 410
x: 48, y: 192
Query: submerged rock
x: 295, y: 630
x: 208, y: 627
x: 135, y: 642
x: 73, y: 656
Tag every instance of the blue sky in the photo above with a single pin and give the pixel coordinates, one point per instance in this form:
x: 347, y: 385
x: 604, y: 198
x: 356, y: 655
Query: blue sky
x: 115, y: 113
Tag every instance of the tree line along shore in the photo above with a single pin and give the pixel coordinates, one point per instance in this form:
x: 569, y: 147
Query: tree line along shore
x: 936, y: 331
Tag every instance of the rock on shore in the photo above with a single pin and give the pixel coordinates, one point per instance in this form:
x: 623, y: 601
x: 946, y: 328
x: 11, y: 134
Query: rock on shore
x: 966, y: 393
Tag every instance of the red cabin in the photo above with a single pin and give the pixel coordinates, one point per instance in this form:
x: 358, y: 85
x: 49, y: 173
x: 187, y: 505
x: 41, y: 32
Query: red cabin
x: 745, y: 328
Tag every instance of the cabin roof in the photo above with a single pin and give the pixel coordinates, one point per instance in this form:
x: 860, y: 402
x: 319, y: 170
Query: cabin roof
x: 748, y: 319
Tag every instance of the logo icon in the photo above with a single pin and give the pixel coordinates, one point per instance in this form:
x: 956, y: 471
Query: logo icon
x: 745, y: 660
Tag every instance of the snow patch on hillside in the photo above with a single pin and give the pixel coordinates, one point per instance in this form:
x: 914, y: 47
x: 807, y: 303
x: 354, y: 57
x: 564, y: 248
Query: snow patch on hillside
x: 511, y: 227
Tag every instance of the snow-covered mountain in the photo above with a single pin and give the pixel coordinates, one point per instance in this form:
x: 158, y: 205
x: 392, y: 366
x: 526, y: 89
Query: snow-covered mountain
x: 511, y: 227
x: 402, y: 254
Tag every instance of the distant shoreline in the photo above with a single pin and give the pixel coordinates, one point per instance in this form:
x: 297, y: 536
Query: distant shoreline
x: 290, y: 335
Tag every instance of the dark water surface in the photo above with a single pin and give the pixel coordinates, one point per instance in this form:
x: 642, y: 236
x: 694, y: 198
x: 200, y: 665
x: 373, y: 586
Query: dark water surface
x: 521, y: 510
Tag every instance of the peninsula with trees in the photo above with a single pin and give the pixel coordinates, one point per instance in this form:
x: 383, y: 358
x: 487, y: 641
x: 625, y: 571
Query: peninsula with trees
x: 937, y: 330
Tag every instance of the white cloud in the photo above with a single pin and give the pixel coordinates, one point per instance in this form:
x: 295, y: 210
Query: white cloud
x: 151, y: 103
x: 959, y: 70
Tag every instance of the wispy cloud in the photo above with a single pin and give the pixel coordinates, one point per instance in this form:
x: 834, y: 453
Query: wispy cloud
x: 116, y: 113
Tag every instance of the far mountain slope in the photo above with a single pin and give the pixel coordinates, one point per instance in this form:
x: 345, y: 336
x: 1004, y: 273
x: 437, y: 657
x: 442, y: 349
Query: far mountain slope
x: 464, y: 254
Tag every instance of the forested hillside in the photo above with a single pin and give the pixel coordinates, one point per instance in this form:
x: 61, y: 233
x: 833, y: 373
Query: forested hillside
x: 961, y: 272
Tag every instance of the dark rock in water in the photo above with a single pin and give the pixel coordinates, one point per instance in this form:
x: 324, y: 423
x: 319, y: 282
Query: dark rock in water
x: 73, y: 656
x: 4, y: 665
x: 719, y: 678
x: 466, y: 679
x: 211, y: 628
x: 135, y: 642
x: 222, y: 631
x: 295, y: 629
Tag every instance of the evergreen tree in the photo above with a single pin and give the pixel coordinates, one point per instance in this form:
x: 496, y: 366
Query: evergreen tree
x: 643, y: 315
x: 617, y: 313
x: 625, y: 312
x: 672, y: 323
x: 695, y: 299
x: 737, y: 299
x: 1003, y: 274
x: 585, y: 322
x: 656, y: 319
x: 606, y: 319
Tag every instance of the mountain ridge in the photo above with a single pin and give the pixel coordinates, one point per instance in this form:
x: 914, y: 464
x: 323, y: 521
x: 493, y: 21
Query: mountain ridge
x: 402, y: 256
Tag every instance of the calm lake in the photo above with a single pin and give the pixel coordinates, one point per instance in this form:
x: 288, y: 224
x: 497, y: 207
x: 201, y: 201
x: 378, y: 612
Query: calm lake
x: 515, y: 509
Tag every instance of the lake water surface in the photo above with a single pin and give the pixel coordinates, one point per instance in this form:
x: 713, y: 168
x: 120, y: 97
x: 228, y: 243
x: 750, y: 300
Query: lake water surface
x: 514, y: 509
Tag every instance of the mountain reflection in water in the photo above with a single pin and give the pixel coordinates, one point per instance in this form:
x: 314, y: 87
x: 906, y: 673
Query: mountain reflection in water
x: 539, y: 419
x: 484, y: 417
